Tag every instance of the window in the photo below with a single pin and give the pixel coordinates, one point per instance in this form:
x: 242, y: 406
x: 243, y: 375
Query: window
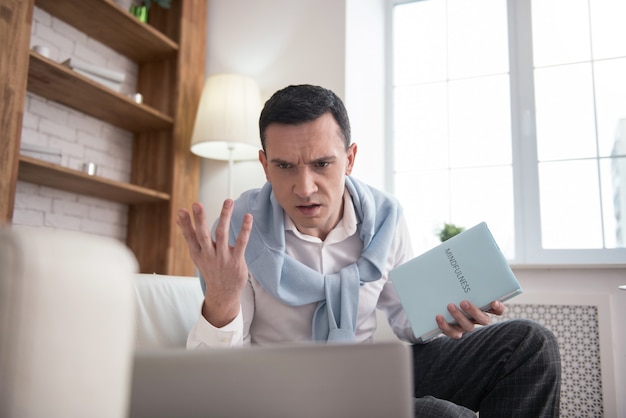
x: 513, y: 113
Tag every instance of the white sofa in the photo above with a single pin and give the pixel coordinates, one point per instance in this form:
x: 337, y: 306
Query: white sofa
x: 167, y: 307
x: 75, y: 315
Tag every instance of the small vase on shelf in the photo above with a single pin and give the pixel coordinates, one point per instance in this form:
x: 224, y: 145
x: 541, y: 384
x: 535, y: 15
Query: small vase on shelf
x: 140, y: 12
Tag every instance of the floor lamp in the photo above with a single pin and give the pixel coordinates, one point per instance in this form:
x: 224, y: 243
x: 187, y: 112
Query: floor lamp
x: 226, y: 125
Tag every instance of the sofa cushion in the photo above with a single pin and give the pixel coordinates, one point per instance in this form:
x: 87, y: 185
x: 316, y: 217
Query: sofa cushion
x: 66, y: 324
x: 167, y: 308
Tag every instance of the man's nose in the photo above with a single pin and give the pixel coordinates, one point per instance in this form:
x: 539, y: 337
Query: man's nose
x: 304, y: 185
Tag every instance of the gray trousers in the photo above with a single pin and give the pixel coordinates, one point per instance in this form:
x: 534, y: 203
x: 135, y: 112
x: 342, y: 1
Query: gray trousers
x: 508, y: 369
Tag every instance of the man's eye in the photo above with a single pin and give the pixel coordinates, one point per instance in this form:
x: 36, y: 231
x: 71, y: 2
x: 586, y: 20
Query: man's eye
x: 283, y: 165
x: 322, y: 164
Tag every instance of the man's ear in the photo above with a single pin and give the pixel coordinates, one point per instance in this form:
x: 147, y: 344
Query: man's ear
x: 263, y: 161
x: 351, y: 156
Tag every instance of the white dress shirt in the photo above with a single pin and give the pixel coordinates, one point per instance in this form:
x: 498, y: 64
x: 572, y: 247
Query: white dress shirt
x: 263, y: 319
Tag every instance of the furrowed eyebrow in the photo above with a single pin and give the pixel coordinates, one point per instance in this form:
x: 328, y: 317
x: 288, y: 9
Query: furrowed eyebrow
x: 324, y: 159
x: 279, y: 161
x: 315, y: 161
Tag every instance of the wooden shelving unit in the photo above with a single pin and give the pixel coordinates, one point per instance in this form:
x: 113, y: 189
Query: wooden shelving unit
x: 58, y: 82
x: 36, y: 171
x: 108, y: 23
x: 170, y: 52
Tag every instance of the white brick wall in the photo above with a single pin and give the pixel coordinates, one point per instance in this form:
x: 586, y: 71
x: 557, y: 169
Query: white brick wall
x: 79, y: 137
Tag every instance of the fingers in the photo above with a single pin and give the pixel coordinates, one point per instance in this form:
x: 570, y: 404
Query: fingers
x: 473, y: 314
x: 223, y: 227
x: 452, y: 331
x: 242, y: 238
x: 202, y: 233
x: 497, y: 308
x: 199, y: 238
x: 463, y: 323
x: 467, y: 316
x: 189, y: 233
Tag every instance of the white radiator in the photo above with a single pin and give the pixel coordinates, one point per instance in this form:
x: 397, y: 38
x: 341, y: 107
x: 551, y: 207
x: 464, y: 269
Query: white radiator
x: 582, y: 326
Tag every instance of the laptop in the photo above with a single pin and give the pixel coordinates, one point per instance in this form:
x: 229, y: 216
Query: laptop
x: 310, y: 380
x: 468, y: 266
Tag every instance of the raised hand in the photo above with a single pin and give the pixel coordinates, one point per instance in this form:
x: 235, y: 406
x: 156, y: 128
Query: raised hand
x: 222, y: 266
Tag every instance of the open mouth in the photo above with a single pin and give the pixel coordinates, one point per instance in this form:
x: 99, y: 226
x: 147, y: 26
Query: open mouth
x: 308, y: 209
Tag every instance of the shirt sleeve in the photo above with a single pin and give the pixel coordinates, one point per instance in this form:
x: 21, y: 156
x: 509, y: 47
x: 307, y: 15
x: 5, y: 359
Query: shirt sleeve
x: 205, y: 335
x: 234, y: 334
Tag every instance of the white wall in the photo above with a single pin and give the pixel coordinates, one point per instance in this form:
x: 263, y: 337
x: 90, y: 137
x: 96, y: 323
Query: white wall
x: 365, y: 87
x: 276, y: 42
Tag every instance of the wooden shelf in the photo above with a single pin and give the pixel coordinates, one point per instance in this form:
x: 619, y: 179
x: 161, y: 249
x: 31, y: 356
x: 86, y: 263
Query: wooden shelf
x: 41, y: 172
x: 114, y: 26
x: 57, y: 82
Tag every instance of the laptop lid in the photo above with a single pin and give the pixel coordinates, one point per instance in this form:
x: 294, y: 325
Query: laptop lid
x: 312, y: 380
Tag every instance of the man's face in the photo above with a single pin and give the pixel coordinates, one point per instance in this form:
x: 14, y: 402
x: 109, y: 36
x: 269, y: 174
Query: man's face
x: 306, y: 165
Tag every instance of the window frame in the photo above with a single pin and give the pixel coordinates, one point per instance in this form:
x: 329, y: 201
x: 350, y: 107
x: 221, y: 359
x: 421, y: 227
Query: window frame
x: 527, y: 217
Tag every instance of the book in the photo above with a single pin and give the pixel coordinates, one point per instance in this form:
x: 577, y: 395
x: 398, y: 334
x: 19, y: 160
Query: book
x: 96, y: 70
x: 468, y: 266
x: 104, y: 81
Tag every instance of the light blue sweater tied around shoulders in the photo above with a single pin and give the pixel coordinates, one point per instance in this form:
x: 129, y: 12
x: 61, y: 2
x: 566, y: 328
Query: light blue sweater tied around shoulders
x: 296, y: 284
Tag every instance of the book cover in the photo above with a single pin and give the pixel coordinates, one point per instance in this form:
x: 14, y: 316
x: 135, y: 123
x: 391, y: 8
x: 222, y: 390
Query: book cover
x: 112, y: 75
x: 105, y: 82
x: 468, y: 266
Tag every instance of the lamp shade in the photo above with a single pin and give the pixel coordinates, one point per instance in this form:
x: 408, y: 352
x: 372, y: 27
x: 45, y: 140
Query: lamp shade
x: 226, y: 126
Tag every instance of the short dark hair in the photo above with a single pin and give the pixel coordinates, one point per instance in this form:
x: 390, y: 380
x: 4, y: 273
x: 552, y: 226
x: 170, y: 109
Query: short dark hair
x: 302, y: 103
